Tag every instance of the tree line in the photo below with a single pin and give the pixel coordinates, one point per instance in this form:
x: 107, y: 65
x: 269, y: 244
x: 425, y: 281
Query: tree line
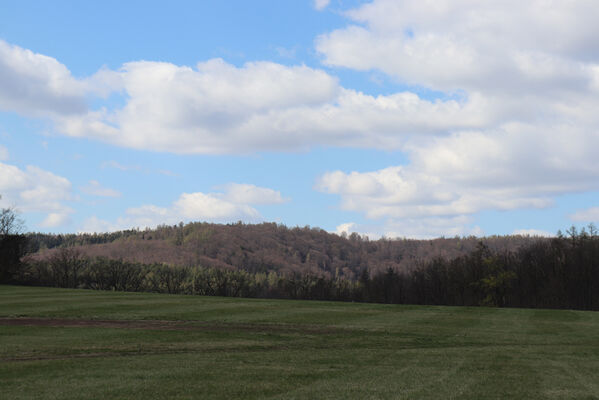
x: 266, y: 247
x: 561, y: 272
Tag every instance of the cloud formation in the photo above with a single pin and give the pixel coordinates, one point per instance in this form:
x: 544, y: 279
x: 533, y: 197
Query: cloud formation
x: 37, y: 85
x: 218, y: 108
x: 346, y: 228
x: 473, y: 171
x: 534, y: 67
x: 235, y: 203
x: 36, y: 190
x: 516, y: 125
x: 494, y: 46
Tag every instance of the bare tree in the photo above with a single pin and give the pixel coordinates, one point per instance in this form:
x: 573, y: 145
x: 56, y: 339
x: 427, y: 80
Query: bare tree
x: 10, y: 223
x: 12, y: 243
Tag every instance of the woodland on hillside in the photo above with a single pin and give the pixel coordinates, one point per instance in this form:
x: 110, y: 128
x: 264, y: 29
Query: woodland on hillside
x: 561, y: 272
x: 273, y: 261
x: 267, y: 247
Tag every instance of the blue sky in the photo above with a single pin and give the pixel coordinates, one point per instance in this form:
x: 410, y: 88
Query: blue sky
x: 395, y: 118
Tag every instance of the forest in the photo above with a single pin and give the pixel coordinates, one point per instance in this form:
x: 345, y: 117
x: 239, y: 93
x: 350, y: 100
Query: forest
x: 273, y: 261
x: 266, y: 247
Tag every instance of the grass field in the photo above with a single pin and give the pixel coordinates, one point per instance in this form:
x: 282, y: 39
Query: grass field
x: 76, y: 344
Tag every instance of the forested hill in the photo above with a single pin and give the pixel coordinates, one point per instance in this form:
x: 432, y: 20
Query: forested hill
x: 267, y: 247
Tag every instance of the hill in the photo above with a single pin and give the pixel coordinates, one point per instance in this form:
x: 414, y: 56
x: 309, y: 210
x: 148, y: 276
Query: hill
x: 268, y: 247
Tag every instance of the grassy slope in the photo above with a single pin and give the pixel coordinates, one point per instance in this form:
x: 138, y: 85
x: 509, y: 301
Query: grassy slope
x: 292, y: 349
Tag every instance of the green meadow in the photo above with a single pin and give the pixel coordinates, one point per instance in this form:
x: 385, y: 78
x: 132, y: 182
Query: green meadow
x: 83, y: 344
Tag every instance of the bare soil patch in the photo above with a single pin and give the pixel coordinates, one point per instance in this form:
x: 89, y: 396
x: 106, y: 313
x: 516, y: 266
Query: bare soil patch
x: 167, y: 325
x: 96, y: 323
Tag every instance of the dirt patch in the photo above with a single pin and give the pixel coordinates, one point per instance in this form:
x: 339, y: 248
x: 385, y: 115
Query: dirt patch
x: 97, y: 323
x: 169, y: 325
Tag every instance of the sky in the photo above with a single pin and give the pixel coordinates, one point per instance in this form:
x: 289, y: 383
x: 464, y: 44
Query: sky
x: 392, y: 118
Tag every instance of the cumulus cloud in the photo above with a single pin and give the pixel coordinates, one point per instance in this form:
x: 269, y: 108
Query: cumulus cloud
x: 235, y: 203
x: 528, y: 63
x: 212, y: 207
x: 38, y: 85
x: 215, y: 107
x: 311, y: 109
x: 515, y: 127
x: 35, y: 190
x: 468, y: 172
x: 520, y: 166
x: 94, y: 188
x: 587, y: 215
x: 535, y: 69
x: 202, y: 110
x: 493, y: 46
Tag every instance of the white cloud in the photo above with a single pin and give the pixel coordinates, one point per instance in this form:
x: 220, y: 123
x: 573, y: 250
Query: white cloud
x: 519, y: 128
x: 38, y: 85
x: 346, y: 228
x: 94, y: 188
x: 35, y: 190
x: 212, y: 207
x: 177, y: 119
x: 206, y: 110
x: 533, y: 70
x: 536, y: 63
x: 587, y: 215
x: 217, y: 108
x: 519, y: 166
x: 371, y: 232
x: 234, y: 204
x: 492, y: 46
x: 321, y: 4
